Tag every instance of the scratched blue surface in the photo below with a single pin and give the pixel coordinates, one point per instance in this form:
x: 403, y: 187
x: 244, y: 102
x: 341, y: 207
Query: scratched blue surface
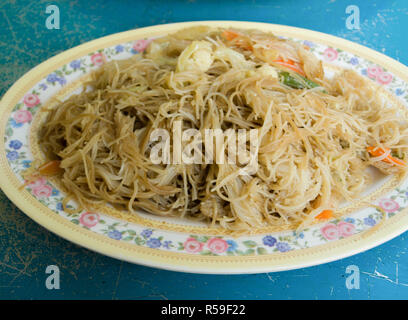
x: 26, y: 248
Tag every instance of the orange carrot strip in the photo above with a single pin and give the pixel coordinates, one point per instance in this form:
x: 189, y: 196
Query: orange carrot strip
x: 241, y: 42
x: 237, y: 39
x: 230, y: 35
x: 324, y: 215
x: 394, y: 160
x: 290, y: 64
x: 50, y: 168
x: 378, y: 151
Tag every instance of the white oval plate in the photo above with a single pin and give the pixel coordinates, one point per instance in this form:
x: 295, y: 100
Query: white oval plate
x: 177, y: 245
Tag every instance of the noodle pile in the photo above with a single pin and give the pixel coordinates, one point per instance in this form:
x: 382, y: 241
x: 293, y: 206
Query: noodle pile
x: 312, y: 143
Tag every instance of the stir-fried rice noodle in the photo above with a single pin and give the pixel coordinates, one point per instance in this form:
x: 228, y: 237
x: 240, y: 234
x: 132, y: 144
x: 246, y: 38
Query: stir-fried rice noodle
x: 312, y: 146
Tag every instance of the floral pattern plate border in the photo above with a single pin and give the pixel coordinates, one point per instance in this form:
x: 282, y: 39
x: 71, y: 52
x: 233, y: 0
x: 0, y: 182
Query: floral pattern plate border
x: 19, y: 157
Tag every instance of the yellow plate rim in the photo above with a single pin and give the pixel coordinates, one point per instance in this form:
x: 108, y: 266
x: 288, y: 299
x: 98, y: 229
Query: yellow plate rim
x: 181, y: 261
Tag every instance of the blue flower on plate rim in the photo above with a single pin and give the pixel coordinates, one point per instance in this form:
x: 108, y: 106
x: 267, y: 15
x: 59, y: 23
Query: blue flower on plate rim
x: 119, y: 48
x: 350, y: 220
x: 43, y: 86
x: 309, y: 44
x: 153, y: 243
x: 283, y: 246
x: 300, y: 235
x: 146, y: 233
x: 26, y: 163
x: 369, y: 221
x: 232, y: 245
x: 62, y: 81
x: 15, y: 124
x: 115, y: 234
x: 15, y: 144
x: 12, y: 155
x: 76, y: 64
x: 167, y: 244
x: 52, y: 77
x: 269, y: 241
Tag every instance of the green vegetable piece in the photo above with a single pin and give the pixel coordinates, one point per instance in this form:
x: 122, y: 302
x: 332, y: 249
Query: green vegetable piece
x: 298, y: 82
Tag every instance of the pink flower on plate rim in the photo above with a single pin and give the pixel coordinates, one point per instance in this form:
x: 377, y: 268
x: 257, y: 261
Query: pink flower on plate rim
x: 42, y: 191
x: 140, y: 45
x: 374, y: 71
x: 384, y: 78
x: 89, y: 219
x: 31, y: 100
x: 346, y: 229
x: 193, y: 246
x: 217, y: 245
x: 388, y: 205
x: 98, y: 59
x: 330, y: 54
x: 22, y: 116
x: 330, y: 231
x: 38, y: 183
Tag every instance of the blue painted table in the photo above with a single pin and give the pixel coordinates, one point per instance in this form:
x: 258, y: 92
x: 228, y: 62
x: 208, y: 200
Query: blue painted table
x: 26, y: 249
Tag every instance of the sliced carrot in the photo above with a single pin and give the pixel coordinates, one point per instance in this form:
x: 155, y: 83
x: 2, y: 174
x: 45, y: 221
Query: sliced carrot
x: 290, y: 64
x: 394, y: 160
x: 244, y: 43
x: 324, y: 215
x: 237, y: 39
x: 230, y: 35
x: 378, y: 151
x: 50, y: 168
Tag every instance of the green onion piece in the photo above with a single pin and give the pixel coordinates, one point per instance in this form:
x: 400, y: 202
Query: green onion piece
x: 296, y: 82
